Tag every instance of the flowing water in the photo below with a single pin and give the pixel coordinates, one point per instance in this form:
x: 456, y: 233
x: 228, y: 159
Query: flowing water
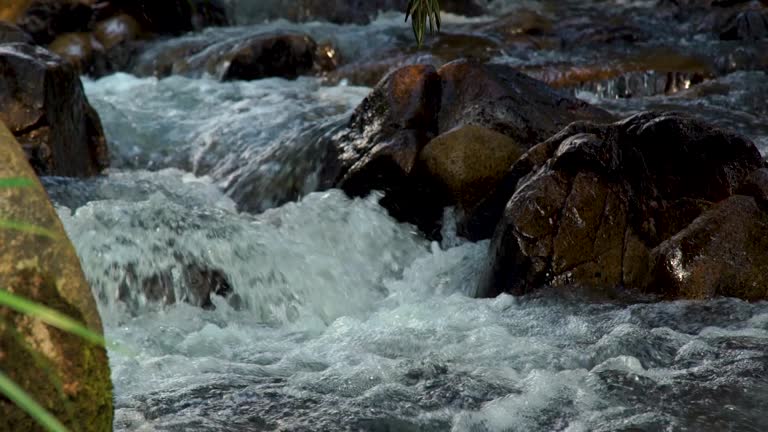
x: 342, y: 318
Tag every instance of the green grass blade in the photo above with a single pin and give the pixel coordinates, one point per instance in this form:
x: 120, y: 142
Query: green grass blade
x: 18, y: 396
x: 27, y: 228
x: 16, y: 182
x: 49, y: 316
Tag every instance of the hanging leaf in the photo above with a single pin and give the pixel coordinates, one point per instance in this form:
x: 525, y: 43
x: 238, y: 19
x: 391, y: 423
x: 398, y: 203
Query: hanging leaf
x: 422, y: 12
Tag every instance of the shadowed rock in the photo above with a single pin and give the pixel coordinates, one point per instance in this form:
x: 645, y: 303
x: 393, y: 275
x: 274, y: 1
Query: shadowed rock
x: 67, y: 375
x: 591, y: 203
x: 44, y: 105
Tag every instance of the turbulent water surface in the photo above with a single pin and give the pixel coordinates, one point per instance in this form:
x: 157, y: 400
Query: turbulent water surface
x: 344, y: 319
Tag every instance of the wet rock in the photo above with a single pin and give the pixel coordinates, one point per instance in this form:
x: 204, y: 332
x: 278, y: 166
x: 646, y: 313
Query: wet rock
x: 591, y: 203
x: 10, y: 33
x: 502, y: 99
x: 76, y: 48
x: 69, y: 376
x: 116, y: 30
x: 193, y: 283
x: 721, y: 253
x: 285, y: 55
x: 746, y: 26
x: 44, y: 105
x: 174, y: 17
x: 469, y: 162
x: 46, y: 19
x: 646, y: 73
x: 382, y: 146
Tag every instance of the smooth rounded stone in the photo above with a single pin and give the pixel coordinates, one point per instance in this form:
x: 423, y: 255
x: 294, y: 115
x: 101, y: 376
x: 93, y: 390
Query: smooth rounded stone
x: 756, y: 186
x: 593, y: 201
x: 501, y: 98
x: 76, y: 48
x: 286, y: 56
x: 116, y: 30
x: 721, y: 253
x: 470, y: 161
x: 10, y: 33
x: 69, y: 376
x: 44, y: 105
x: 174, y: 17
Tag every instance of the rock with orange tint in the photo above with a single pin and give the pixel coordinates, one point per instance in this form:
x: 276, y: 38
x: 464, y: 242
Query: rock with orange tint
x: 594, y: 205
x: 485, y: 115
x: 75, y: 48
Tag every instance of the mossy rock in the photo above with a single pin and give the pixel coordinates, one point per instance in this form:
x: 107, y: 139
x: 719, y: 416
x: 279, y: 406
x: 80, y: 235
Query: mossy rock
x: 66, y: 374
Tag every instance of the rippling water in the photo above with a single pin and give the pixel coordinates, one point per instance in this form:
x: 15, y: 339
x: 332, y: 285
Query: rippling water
x: 345, y: 319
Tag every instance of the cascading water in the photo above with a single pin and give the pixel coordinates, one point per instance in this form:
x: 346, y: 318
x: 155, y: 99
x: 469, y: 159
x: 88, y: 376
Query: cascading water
x: 340, y: 318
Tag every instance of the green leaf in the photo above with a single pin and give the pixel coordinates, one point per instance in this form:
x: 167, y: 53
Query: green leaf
x: 49, y: 316
x: 16, y: 182
x: 27, y: 228
x: 423, y: 13
x: 18, y: 396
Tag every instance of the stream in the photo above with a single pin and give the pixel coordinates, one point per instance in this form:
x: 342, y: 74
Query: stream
x: 343, y: 319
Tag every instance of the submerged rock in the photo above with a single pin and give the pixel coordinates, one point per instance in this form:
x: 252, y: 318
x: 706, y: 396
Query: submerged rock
x: 193, y: 283
x: 44, y: 105
x: 489, y: 107
x: 67, y: 375
x: 592, y: 203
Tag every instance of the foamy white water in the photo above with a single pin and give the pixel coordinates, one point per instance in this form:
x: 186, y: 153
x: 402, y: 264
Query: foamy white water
x: 344, y: 319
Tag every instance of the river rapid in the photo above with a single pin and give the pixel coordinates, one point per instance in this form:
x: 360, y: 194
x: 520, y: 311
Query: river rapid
x: 344, y: 319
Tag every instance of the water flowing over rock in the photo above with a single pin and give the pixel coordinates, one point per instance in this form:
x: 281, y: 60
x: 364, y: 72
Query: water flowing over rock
x: 593, y: 202
x: 67, y: 375
x: 381, y: 147
x: 43, y: 104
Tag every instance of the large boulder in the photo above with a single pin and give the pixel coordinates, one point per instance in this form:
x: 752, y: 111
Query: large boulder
x: 42, y: 102
x: 67, y: 375
x: 592, y: 203
x: 488, y: 107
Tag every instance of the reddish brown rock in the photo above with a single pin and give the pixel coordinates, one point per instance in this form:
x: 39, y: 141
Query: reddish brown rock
x: 591, y: 203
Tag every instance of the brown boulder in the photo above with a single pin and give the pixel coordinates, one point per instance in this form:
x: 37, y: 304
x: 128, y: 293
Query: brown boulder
x: 500, y: 98
x: 721, y: 253
x: 67, y: 375
x: 593, y: 201
x: 381, y: 147
x: 469, y: 162
x: 44, y: 105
